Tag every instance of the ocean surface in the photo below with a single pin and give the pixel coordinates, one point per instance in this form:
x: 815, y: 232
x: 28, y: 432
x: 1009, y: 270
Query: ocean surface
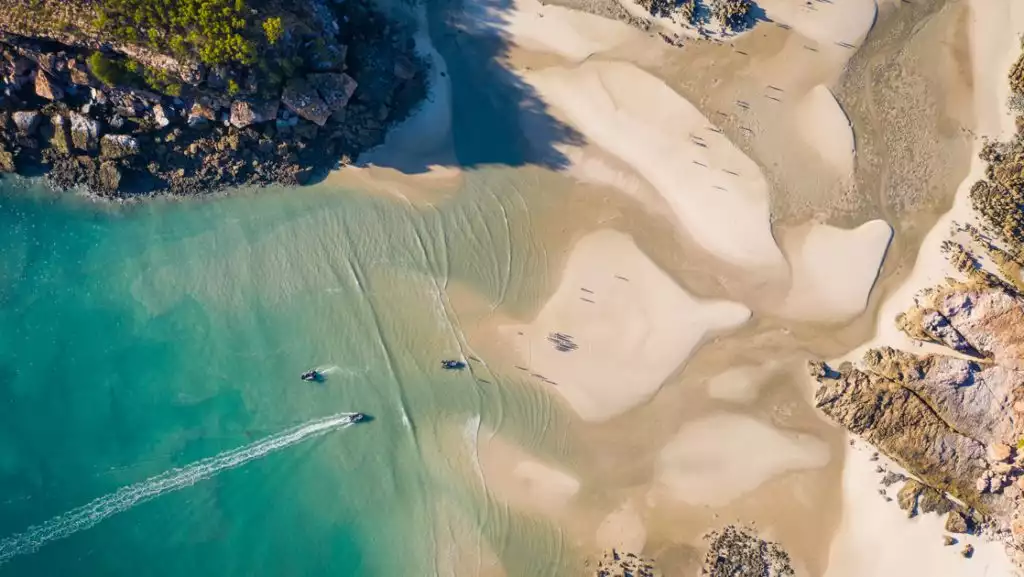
x: 152, y: 421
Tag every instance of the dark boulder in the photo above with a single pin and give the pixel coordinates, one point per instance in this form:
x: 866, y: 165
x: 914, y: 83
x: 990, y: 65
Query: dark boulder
x: 302, y: 99
x: 47, y: 87
x: 335, y: 88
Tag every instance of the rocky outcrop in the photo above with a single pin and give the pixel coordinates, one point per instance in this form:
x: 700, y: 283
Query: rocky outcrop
x: 116, y: 119
x: 247, y: 112
x: 334, y: 88
x: 303, y: 99
x: 118, y: 146
x: 47, y: 87
x: 901, y: 423
x: 85, y: 132
x: 737, y: 550
x: 27, y: 121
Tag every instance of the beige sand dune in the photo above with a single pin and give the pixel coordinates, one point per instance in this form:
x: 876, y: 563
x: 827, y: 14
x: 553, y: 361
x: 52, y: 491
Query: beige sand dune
x: 827, y: 130
x: 828, y: 23
x: 833, y: 270
x: 719, y: 458
x: 717, y: 194
x: 632, y: 324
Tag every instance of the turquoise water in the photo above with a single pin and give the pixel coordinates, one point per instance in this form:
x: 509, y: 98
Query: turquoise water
x: 138, y: 339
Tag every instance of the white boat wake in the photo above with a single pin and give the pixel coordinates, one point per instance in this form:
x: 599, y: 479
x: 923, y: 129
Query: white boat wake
x: 125, y: 498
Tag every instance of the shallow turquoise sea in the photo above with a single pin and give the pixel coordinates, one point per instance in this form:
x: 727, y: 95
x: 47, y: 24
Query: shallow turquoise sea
x: 138, y: 339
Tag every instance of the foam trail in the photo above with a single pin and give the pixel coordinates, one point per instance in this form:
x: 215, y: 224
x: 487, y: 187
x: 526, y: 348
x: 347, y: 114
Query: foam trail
x: 125, y: 498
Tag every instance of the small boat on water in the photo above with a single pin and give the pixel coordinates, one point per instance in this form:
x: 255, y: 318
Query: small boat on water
x: 453, y: 365
x: 357, y: 417
x: 312, y: 376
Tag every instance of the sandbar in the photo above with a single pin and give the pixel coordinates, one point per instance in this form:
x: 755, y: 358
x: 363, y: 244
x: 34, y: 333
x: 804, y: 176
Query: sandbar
x: 628, y: 324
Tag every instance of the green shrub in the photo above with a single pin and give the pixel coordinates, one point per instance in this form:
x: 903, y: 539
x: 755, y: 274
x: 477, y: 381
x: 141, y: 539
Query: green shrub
x: 273, y: 30
x: 233, y: 87
x: 161, y: 81
x: 109, y: 72
x: 211, y: 30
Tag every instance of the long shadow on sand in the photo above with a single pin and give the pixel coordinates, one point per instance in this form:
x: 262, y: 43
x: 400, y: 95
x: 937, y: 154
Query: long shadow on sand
x: 493, y: 109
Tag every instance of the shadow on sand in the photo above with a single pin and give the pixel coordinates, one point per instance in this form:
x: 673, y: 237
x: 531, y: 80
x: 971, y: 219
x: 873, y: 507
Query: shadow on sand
x: 496, y: 118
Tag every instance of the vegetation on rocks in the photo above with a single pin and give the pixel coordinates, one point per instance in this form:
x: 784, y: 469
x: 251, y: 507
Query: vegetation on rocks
x: 280, y: 97
x: 106, y: 70
x: 215, y: 31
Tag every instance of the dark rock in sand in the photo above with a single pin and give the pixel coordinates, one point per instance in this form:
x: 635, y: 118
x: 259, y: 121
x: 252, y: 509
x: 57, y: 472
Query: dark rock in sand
x: 736, y: 551
x: 908, y: 495
x: 892, y: 477
x: 957, y: 522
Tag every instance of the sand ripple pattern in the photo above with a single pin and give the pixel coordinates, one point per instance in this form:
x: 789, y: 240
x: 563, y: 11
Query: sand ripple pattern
x: 125, y: 498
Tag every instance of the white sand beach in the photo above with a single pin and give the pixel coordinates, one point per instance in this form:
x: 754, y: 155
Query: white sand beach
x: 833, y: 270
x: 876, y: 538
x: 897, y: 546
x: 830, y: 24
x: 827, y: 129
x: 716, y: 193
x: 631, y: 326
x: 719, y: 458
x: 548, y: 28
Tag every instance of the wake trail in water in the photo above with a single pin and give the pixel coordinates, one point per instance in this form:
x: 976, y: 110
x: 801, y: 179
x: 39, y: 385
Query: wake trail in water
x: 125, y: 498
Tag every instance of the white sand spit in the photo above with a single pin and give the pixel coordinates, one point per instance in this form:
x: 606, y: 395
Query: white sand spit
x: 631, y: 323
x: 622, y: 529
x: 876, y: 538
x: 553, y: 29
x: 716, y: 192
x: 828, y: 23
x: 717, y: 459
x: 827, y: 129
x: 833, y: 269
